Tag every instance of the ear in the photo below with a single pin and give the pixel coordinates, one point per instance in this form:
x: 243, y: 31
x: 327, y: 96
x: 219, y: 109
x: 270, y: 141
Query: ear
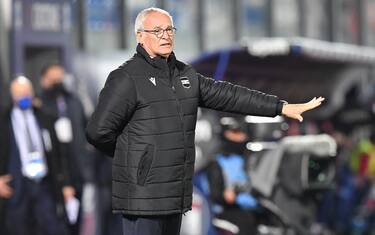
x: 139, y: 37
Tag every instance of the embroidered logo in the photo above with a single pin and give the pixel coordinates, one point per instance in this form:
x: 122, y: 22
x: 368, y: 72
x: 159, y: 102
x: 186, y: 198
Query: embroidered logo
x: 153, y: 80
x: 185, y: 82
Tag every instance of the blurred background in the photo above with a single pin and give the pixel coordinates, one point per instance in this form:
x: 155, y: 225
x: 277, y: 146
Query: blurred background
x: 295, y: 49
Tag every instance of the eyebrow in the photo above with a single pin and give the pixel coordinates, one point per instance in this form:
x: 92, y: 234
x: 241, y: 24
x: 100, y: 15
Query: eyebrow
x: 159, y: 26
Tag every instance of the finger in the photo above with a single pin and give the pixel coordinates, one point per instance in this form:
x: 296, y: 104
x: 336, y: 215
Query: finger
x: 300, y: 118
x: 312, y: 100
x: 297, y: 117
x: 314, y: 103
x: 310, y: 106
x: 319, y: 99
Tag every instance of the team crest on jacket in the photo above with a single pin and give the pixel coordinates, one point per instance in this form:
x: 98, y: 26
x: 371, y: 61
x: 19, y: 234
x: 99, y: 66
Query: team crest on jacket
x: 153, y: 80
x: 185, y: 82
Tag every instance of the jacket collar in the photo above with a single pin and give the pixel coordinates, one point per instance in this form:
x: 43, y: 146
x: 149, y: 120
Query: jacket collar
x: 158, y: 62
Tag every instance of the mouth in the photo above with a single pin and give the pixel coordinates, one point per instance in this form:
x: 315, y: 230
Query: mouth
x: 166, y: 44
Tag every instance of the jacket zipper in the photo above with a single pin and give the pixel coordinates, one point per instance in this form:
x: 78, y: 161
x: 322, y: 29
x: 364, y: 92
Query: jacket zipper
x: 185, y: 151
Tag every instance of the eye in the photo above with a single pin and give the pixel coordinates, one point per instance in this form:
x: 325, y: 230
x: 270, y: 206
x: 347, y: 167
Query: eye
x: 157, y: 30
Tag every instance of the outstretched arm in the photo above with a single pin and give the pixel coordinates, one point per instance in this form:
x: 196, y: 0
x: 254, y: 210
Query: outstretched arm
x: 227, y: 97
x: 295, y: 110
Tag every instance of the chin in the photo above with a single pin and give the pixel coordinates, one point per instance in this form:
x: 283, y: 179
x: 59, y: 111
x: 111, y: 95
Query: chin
x: 165, y: 53
x: 166, y: 50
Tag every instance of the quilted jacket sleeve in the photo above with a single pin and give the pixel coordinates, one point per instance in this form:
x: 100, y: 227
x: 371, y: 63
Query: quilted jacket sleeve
x: 116, y: 104
x: 224, y: 96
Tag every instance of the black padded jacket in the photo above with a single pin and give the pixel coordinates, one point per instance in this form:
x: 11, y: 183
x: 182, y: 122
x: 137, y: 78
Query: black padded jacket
x: 145, y: 119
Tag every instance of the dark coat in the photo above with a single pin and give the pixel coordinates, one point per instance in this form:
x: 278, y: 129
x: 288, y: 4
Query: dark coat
x: 55, y: 162
x: 145, y: 119
x: 76, y: 151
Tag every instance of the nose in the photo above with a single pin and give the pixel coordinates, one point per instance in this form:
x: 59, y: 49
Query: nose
x: 165, y: 35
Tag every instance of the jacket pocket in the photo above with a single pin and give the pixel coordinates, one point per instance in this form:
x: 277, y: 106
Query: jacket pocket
x: 145, y: 164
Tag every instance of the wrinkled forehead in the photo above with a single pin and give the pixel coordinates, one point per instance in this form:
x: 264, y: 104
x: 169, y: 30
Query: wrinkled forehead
x: 157, y: 19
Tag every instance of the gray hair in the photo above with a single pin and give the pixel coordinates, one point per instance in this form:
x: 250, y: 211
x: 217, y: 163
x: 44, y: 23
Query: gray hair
x: 142, y: 15
x: 22, y: 80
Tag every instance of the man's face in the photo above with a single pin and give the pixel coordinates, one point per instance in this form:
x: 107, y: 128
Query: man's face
x: 237, y: 136
x: 20, y: 90
x: 54, y: 75
x: 154, y: 46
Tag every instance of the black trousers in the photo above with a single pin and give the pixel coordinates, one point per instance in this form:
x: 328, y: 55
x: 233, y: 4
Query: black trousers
x: 152, y: 225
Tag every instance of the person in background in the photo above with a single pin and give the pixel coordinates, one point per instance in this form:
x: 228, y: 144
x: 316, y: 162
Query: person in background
x: 32, y: 182
x: 229, y: 182
x: 85, y: 164
x: 70, y: 124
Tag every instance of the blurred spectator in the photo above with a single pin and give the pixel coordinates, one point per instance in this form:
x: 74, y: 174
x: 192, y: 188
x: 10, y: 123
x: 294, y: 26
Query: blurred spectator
x: 32, y: 185
x: 70, y: 124
x: 354, y: 114
x: 230, y: 184
x: 362, y: 163
x: 349, y: 208
x: 85, y: 165
x: 362, y: 160
x: 57, y: 100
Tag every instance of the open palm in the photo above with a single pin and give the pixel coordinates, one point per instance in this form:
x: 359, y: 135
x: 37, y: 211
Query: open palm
x: 295, y: 110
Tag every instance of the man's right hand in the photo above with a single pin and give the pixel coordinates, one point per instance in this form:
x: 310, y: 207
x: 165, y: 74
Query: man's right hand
x: 5, y: 190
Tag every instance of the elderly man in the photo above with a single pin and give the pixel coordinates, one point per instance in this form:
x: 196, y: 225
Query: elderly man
x: 31, y: 175
x: 145, y: 119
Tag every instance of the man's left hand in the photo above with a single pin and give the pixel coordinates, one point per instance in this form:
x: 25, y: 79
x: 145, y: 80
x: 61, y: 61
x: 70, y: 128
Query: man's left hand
x: 295, y: 110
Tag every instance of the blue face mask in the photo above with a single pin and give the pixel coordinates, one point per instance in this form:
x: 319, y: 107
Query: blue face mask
x: 25, y: 102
